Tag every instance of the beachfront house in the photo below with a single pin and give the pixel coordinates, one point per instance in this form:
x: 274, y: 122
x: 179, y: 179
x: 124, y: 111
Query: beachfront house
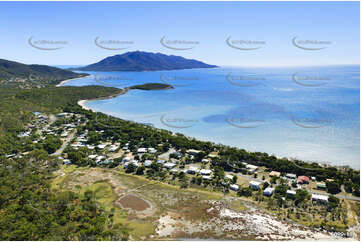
x: 142, y: 150
x: 205, y: 172
x: 268, y: 191
x: 321, y: 186
x: 169, y: 165
x: 207, y: 178
x: 192, y: 170
x: 291, y: 176
x: 234, y: 187
x: 193, y: 152
x: 319, y: 198
x: 303, y: 180
x: 148, y: 163
x: 254, y: 185
x: 275, y: 174
x: 290, y: 193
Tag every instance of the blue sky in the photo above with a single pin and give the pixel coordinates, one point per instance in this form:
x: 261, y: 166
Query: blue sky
x: 208, y: 23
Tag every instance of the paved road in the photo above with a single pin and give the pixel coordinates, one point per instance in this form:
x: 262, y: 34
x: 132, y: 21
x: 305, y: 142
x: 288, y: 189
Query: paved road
x: 65, y: 143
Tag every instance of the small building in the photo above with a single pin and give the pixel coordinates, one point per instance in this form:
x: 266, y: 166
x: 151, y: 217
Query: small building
x: 229, y: 177
x: 234, y: 187
x: 275, y: 174
x: 303, y: 180
x: 152, y: 150
x: 67, y: 162
x: 90, y: 147
x: 205, y: 160
x: 92, y: 156
x: 169, y: 165
x: 205, y: 172
x: 113, y: 148
x: 290, y: 193
x: 321, y: 186
x: 268, y: 191
x: 174, y: 170
x: 192, y: 170
x: 101, y: 146
x: 291, y: 176
x: 254, y: 185
x: 319, y: 198
x: 126, y: 159
x: 193, y: 152
x: 148, y: 163
x: 142, y: 150
x: 207, y: 178
x: 313, y: 178
x: 161, y: 162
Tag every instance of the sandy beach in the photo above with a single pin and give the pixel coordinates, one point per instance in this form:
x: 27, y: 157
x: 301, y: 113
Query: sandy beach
x: 81, y: 103
x: 63, y: 82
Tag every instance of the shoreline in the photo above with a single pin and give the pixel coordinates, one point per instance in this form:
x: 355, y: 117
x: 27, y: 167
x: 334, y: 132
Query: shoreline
x: 65, y: 81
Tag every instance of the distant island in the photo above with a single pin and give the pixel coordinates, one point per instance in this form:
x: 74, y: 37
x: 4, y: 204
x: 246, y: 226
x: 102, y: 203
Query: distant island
x: 18, y: 75
x: 152, y: 86
x: 144, y: 61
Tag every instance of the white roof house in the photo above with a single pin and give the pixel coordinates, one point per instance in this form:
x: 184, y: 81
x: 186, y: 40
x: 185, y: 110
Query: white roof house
x: 205, y: 160
x: 161, y: 162
x: 206, y: 177
x: 113, y: 148
x: 174, y: 170
x: 290, y: 193
x: 152, y: 150
x: 234, y: 187
x: 147, y: 163
x: 251, y: 167
x: 192, y: 170
x: 291, y: 176
x: 90, y: 147
x: 142, y: 150
x: 319, y: 198
x: 169, y: 165
x: 126, y: 159
x: 205, y: 172
x: 92, y: 156
x: 101, y: 146
x: 268, y: 191
x: 254, y: 185
x: 230, y: 177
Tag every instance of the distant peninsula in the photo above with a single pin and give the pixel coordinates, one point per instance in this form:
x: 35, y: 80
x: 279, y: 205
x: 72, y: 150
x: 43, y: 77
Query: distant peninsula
x: 144, y: 61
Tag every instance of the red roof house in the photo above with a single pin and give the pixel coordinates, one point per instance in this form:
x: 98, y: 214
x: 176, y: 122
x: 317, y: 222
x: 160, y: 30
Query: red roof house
x: 303, y: 180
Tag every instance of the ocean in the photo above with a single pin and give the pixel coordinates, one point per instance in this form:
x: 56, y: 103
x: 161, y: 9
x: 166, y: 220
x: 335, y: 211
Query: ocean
x: 308, y: 113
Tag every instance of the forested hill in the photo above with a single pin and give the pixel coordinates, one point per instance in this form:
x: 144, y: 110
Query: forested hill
x: 144, y: 61
x: 18, y: 75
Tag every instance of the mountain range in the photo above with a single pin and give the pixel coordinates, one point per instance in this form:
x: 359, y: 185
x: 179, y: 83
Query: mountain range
x: 144, y: 61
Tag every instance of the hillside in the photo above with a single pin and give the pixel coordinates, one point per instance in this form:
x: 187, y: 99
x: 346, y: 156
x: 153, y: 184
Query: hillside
x: 14, y: 74
x: 144, y: 61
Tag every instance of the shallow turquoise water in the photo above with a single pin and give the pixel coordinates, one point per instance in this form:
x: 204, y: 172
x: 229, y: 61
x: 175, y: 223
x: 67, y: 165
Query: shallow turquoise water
x: 306, y: 113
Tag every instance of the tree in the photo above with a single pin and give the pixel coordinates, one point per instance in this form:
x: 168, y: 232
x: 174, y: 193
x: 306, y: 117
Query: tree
x: 140, y: 170
x: 300, y: 196
x: 333, y: 187
x: 245, y: 191
x: 130, y: 168
x: 265, y: 185
x: 234, y: 179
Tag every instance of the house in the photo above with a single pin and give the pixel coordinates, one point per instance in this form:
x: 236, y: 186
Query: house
x: 205, y: 160
x: 62, y: 115
x: 161, y: 162
x: 207, y: 178
x: 268, y: 191
x: 303, y: 180
x: 99, y: 158
x: 193, y: 152
x: 126, y: 159
x: 152, y: 150
x: 178, y: 154
x: 275, y: 174
x: 319, y: 198
x: 174, y: 170
x: 205, y: 172
x: 321, y: 186
x: 251, y: 168
x: 313, y: 178
x: 290, y: 193
x: 254, y: 185
x: 169, y: 165
x: 90, y: 147
x: 148, y: 163
x: 113, y: 148
x: 192, y: 170
x: 101, y: 146
x: 65, y: 134
x: 67, y: 162
x: 234, y: 187
x: 229, y: 177
x: 92, y: 156
x: 142, y: 150
x: 291, y: 176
